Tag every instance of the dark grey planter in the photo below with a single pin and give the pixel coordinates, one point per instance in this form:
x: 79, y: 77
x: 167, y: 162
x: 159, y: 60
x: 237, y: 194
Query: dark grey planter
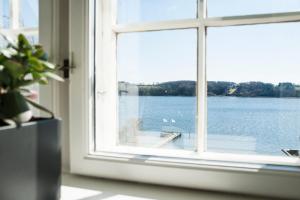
x: 30, y: 161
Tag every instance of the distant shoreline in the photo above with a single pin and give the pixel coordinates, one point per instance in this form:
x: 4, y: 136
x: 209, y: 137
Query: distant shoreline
x: 214, y: 88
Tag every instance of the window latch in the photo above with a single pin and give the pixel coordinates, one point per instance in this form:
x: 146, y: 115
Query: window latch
x: 67, y: 68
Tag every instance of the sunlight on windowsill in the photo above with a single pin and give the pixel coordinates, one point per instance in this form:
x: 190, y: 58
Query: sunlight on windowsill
x: 76, y: 193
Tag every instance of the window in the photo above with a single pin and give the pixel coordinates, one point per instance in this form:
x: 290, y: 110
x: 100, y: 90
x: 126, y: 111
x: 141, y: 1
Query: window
x: 175, y: 82
x: 253, y: 88
x: 121, y: 62
x: 19, y: 16
x: 133, y: 11
x: 148, y: 74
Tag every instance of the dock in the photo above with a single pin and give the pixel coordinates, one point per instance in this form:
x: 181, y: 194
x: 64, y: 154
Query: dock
x: 152, y: 139
x: 166, y: 139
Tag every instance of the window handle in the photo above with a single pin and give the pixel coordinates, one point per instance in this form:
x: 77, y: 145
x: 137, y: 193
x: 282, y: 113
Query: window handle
x: 67, y: 67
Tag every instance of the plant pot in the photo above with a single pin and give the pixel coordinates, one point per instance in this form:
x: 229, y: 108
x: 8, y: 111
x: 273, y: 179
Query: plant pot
x: 30, y: 161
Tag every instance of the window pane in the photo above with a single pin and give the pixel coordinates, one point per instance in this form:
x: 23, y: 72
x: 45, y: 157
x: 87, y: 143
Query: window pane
x: 5, y: 14
x: 29, y: 13
x: 246, y: 7
x: 254, y: 88
x: 33, y: 39
x: 132, y: 11
x: 157, y: 77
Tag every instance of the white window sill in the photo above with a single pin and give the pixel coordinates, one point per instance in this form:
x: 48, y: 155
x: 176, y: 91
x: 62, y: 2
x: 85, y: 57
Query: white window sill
x: 190, y: 157
x: 253, y: 179
x: 86, y: 188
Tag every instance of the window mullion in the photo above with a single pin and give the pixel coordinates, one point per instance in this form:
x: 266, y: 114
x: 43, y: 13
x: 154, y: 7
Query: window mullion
x: 15, y: 14
x: 106, y: 84
x: 201, y: 82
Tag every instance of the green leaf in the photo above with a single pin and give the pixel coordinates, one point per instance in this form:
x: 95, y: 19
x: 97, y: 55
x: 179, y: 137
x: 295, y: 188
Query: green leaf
x: 24, y: 83
x: 35, y: 64
x: 14, y: 68
x: 9, y: 52
x: 37, y: 75
x: 23, y: 42
x: 39, y: 53
x: 13, y: 104
x: 34, y: 104
x: 43, y: 81
x: 4, y: 79
x: 24, y: 65
x: 2, y: 58
x: 53, y: 76
x: 48, y: 64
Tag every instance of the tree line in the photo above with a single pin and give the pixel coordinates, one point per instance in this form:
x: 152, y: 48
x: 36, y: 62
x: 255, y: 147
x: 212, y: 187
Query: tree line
x: 214, y: 88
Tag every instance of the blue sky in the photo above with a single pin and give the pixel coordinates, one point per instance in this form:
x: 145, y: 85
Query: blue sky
x: 28, y: 13
x: 5, y: 11
x: 268, y: 53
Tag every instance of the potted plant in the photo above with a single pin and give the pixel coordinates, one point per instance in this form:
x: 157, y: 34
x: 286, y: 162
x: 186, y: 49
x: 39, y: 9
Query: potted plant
x: 29, y: 146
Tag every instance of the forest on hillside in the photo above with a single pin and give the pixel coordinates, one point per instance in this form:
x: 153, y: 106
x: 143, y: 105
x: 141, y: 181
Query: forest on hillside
x: 214, y: 88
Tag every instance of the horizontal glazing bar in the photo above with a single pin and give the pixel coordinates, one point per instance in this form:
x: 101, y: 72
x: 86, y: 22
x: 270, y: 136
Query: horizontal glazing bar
x: 209, y: 22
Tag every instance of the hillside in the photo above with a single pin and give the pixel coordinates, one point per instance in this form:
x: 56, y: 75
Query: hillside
x: 214, y: 88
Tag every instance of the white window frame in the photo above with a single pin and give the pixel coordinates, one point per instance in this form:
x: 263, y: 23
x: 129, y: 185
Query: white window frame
x: 106, y: 135
x: 246, y: 174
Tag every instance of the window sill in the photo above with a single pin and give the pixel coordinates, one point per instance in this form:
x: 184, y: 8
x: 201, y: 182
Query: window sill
x: 86, y: 188
x: 236, y: 177
x: 289, y: 167
x: 193, y: 157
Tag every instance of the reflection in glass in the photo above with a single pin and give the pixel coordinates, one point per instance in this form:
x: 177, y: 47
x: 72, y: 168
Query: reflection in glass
x: 157, y: 79
x: 133, y: 11
x: 254, y: 88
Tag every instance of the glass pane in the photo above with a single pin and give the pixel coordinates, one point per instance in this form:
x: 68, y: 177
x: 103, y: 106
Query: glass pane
x: 246, y: 7
x: 157, y: 78
x: 132, y: 11
x: 29, y: 16
x: 33, y: 39
x: 254, y: 88
x: 4, y: 14
x: 3, y: 42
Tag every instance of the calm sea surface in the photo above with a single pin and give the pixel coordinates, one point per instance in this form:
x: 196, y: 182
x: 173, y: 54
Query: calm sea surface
x: 243, y: 125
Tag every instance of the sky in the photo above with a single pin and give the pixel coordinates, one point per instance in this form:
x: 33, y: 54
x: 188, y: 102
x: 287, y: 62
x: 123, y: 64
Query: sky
x: 267, y: 53
x: 28, y: 17
x: 28, y: 13
x: 5, y: 11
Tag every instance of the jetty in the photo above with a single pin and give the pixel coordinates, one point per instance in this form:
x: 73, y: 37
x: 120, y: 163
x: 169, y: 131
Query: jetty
x: 169, y: 137
x: 152, y: 139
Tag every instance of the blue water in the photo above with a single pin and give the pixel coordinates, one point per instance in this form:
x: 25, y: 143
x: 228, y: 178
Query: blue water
x: 242, y: 125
